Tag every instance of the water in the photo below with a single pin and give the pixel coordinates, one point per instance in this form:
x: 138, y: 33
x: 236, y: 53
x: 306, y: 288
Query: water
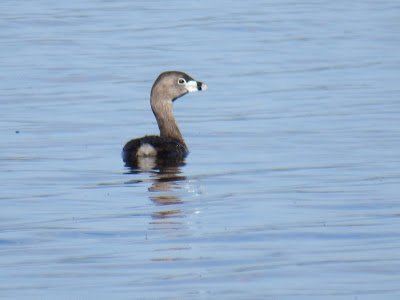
x: 291, y: 189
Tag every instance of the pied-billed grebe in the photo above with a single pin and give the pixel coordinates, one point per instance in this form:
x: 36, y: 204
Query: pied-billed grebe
x: 168, y: 87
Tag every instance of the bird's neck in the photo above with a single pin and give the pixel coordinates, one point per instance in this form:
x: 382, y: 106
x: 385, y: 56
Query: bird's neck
x: 166, y: 121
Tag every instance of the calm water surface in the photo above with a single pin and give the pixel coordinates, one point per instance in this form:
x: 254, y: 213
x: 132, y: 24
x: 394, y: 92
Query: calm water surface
x: 291, y: 189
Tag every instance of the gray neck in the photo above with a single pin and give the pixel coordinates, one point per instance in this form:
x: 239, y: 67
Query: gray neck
x: 162, y: 110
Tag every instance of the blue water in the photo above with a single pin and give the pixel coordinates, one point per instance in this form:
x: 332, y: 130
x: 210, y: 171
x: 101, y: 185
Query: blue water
x: 291, y: 189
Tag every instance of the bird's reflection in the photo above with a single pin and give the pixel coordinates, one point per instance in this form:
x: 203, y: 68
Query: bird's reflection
x: 165, y: 178
x: 152, y: 163
x: 166, y: 185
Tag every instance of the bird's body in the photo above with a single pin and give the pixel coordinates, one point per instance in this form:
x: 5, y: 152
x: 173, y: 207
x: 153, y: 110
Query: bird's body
x: 154, y: 145
x: 170, y: 145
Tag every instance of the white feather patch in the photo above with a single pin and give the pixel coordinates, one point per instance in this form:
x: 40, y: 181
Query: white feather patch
x: 147, y: 162
x: 146, y: 150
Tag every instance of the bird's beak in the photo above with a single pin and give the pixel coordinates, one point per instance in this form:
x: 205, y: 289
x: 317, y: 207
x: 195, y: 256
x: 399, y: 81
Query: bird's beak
x: 201, y: 86
x: 194, y: 86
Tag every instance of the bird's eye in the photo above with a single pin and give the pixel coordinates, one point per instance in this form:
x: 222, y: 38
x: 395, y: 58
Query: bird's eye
x: 181, y: 81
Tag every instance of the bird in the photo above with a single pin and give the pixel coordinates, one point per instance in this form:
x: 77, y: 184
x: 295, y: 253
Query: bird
x: 169, y: 146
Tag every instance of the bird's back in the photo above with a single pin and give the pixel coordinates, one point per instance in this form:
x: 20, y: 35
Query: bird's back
x: 153, y: 146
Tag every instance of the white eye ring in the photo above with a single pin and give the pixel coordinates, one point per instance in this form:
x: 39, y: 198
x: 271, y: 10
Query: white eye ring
x: 181, y: 81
